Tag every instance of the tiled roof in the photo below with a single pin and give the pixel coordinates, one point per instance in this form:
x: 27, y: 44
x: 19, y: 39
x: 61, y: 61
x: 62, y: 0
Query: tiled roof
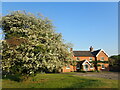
x: 82, y: 53
x: 95, y: 52
x: 85, y: 53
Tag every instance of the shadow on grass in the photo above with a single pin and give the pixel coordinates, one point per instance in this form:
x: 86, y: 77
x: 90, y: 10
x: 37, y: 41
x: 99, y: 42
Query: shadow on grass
x: 12, y: 77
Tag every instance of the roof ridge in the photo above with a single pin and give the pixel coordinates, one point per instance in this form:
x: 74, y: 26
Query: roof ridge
x: 97, y: 50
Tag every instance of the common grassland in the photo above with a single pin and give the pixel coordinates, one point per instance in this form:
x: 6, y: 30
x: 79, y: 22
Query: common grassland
x: 60, y: 81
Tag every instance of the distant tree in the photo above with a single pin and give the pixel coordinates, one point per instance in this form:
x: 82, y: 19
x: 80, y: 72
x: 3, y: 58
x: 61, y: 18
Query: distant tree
x: 114, y: 62
x: 31, y: 45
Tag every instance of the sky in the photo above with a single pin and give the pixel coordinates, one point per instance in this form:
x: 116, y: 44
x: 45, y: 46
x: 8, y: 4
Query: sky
x: 83, y: 24
x: 60, y: 0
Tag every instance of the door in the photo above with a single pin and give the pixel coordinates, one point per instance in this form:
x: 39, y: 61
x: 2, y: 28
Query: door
x: 86, y: 67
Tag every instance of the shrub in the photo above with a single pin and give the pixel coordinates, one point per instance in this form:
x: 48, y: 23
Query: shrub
x: 92, y: 71
x: 82, y: 71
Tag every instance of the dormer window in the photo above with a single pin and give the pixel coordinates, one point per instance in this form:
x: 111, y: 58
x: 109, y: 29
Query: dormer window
x: 102, y: 58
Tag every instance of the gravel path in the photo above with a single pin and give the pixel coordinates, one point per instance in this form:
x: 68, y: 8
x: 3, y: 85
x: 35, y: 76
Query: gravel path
x: 107, y: 75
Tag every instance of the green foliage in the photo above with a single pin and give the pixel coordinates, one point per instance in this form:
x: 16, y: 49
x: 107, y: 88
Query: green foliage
x: 98, y: 71
x: 31, y: 45
x: 105, y: 62
x: 114, y: 63
x: 114, y: 60
x: 99, y: 61
x: 102, y: 61
x: 82, y: 71
x: 98, y: 65
x: 92, y: 71
x: 74, y: 63
x: 92, y: 61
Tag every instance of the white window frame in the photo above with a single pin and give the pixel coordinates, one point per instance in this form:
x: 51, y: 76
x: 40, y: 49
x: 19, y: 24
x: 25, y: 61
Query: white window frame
x: 101, y: 59
x: 104, y: 66
x: 90, y: 58
x: 68, y: 67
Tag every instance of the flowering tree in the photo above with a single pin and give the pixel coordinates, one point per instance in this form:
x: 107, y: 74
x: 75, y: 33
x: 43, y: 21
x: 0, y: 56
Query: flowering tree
x: 31, y: 45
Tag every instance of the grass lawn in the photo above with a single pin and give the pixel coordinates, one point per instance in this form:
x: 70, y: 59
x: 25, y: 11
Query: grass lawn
x: 60, y: 81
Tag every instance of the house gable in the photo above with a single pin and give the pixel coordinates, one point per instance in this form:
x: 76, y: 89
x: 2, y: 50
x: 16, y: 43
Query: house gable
x: 102, y: 51
x: 102, y: 54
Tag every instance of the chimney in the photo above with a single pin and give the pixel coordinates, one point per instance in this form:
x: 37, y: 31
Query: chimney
x: 71, y: 49
x: 91, y: 49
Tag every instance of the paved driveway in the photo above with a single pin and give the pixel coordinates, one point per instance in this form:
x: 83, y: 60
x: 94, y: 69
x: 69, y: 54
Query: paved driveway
x: 107, y: 75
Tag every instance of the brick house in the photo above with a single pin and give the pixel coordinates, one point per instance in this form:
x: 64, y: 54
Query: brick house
x: 88, y: 61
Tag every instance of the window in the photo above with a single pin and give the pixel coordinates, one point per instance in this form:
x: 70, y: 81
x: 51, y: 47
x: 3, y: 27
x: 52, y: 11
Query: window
x: 90, y: 58
x: 103, y: 67
x: 102, y: 58
x: 78, y: 58
x: 86, y: 66
x: 78, y: 66
x: 68, y: 67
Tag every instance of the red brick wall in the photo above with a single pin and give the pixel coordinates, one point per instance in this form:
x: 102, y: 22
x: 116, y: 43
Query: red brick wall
x: 68, y: 70
x: 102, y: 54
x: 106, y: 67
